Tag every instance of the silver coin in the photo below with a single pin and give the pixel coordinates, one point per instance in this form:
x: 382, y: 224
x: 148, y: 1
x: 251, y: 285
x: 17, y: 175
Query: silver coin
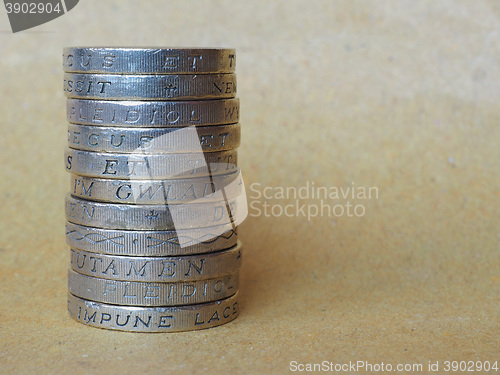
x: 201, y: 189
x: 149, y: 87
x: 156, y: 269
x: 154, y: 114
x: 150, y: 167
x: 151, y: 243
x: 149, y: 217
x: 153, y: 319
x: 149, y: 60
x: 154, y: 140
x: 135, y: 293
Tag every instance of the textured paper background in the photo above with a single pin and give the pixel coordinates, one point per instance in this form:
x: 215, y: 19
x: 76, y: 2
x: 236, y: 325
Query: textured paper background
x: 400, y: 95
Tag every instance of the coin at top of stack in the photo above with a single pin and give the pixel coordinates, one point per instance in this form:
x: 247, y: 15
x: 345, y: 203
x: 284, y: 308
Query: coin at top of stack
x: 155, y: 189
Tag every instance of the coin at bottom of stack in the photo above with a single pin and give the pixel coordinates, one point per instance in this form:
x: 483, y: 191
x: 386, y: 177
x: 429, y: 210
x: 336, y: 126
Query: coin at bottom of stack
x: 153, y: 319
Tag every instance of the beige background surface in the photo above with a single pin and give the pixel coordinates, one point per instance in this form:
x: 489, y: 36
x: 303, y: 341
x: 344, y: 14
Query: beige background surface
x: 398, y: 95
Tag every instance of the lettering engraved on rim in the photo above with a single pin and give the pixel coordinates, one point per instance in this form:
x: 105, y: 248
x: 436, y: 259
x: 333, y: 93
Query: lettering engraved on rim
x: 156, y: 269
x: 149, y: 217
x: 153, y: 319
x: 153, y: 113
x: 200, y: 189
x: 155, y: 140
x: 135, y: 293
x: 151, y: 243
x: 150, y: 167
x: 149, y: 87
x: 149, y: 60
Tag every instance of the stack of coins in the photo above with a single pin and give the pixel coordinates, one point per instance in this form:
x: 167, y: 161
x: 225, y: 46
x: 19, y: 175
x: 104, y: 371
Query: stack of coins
x: 155, y: 188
